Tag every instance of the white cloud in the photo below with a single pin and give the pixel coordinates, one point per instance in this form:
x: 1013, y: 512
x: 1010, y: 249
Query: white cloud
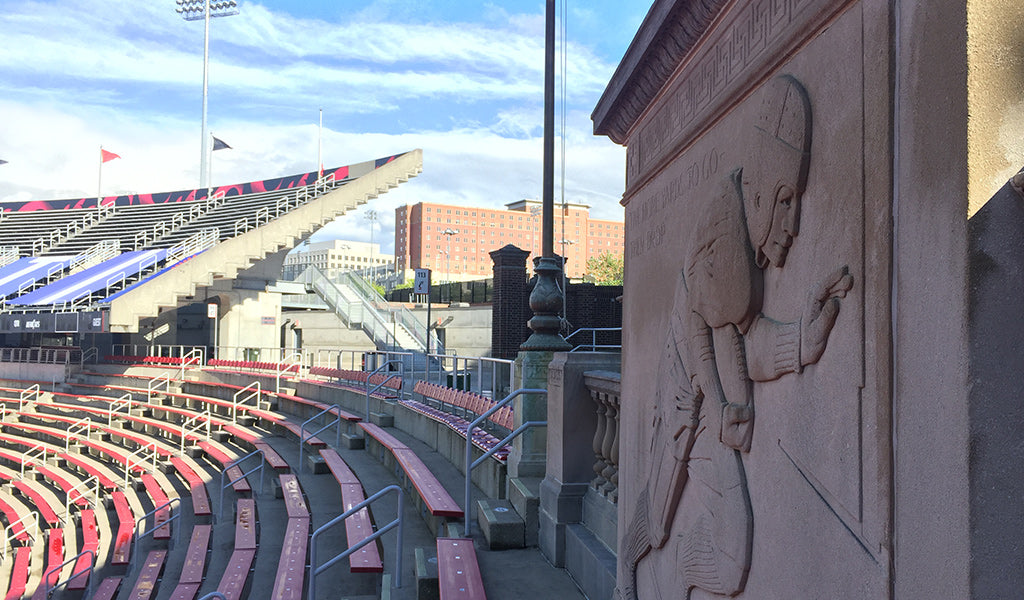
x: 126, y: 74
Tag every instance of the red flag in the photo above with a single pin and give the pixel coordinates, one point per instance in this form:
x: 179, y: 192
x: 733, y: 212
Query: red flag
x: 107, y: 156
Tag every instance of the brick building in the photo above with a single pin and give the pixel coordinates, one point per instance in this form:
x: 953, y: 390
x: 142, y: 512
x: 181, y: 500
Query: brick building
x: 455, y: 241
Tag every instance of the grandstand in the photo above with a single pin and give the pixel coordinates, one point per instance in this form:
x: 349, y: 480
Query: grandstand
x: 117, y: 260
x: 135, y: 466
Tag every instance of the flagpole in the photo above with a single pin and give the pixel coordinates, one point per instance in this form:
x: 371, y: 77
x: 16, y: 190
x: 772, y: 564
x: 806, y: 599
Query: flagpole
x: 209, y: 163
x: 320, y: 148
x: 99, y: 183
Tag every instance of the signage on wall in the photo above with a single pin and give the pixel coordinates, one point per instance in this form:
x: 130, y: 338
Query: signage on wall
x: 268, y: 320
x: 421, y: 282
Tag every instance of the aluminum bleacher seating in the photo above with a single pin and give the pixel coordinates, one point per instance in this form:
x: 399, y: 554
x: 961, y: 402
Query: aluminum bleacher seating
x: 22, y: 228
x: 103, y: 279
x: 124, y: 224
x: 26, y: 272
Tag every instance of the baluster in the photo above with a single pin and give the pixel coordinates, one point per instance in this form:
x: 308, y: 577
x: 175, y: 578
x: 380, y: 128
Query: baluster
x: 602, y: 426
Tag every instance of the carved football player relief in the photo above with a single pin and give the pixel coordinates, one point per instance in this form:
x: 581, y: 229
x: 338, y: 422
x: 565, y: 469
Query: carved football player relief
x: 719, y: 342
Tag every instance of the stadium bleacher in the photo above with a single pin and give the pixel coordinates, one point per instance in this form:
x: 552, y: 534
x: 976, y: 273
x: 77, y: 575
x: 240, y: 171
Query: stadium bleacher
x: 147, y: 236
x: 103, y: 457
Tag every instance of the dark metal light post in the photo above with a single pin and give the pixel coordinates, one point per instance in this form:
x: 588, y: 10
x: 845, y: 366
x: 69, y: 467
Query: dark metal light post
x: 546, y: 298
x: 193, y: 10
x: 371, y: 216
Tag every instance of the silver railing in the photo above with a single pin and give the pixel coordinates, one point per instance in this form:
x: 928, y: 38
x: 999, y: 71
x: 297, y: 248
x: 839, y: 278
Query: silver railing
x: 472, y: 464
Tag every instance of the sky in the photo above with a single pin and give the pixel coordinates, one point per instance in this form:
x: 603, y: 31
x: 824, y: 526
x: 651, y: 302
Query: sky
x: 462, y: 80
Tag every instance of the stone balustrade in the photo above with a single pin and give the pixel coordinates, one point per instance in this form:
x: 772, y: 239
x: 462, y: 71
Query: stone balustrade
x: 604, y: 388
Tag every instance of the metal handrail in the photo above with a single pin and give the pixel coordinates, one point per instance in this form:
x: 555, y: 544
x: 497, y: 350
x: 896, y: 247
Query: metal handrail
x: 283, y: 366
x: 126, y: 400
x: 138, y: 538
x: 381, y: 384
x: 30, y: 396
x: 201, y: 420
x: 258, y: 394
x: 92, y: 352
x: 60, y: 567
x: 195, y: 356
x: 85, y: 485
x: 128, y: 462
x: 302, y: 430
x: 471, y: 464
x: 155, y: 383
x: 235, y: 463
x: 26, y: 457
x: 85, y: 423
x: 214, y: 596
x: 9, y: 534
x: 593, y: 345
x: 315, y: 570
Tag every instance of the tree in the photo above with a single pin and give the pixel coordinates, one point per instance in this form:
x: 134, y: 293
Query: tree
x: 605, y: 269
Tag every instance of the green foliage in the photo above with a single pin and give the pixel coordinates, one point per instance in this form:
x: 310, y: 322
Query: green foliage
x: 405, y: 286
x: 605, y: 269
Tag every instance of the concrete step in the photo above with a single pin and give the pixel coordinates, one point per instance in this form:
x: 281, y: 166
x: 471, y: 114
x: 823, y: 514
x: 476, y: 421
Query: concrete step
x: 524, y: 494
x: 426, y: 574
x: 501, y: 525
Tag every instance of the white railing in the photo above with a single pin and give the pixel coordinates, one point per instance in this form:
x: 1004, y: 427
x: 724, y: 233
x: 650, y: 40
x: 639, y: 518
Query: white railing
x: 582, y: 334
x: 241, y: 398
x: 197, y: 242
x: 155, y: 384
x: 289, y: 364
x: 194, y: 357
x: 10, y: 532
x: 9, y: 254
x: 193, y: 425
x: 29, y: 396
x: 98, y: 253
x: 138, y: 459
x: 83, y: 424
x: 28, y: 458
x: 162, y: 350
x: 124, y: 401
x: 56, y: 356
x: 81, y: 488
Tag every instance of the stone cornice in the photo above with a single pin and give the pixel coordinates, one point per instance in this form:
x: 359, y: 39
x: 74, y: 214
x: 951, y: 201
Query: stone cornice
x: 668, y: 33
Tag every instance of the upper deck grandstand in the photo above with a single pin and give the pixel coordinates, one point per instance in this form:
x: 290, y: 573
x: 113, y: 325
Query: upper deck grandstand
x: 99, y: 265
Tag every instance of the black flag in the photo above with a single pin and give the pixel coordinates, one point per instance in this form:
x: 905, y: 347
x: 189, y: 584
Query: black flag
x: 219, y: 144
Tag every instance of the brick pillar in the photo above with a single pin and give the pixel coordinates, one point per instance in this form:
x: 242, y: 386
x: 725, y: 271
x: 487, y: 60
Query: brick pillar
x: 510, y: 310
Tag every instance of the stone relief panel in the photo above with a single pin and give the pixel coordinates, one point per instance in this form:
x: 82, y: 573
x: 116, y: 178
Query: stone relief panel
x: 751, y: 458
x: 719, y: 342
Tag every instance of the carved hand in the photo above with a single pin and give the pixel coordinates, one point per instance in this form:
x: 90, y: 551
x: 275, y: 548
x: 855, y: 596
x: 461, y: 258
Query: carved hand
x: 737, y: 426
x: 821, y: 313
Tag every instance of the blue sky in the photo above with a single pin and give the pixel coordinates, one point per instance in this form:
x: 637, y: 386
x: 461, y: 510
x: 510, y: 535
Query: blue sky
x: 461, y: 80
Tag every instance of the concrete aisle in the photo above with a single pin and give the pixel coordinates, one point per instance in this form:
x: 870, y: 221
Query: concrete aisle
x: 507, y: 574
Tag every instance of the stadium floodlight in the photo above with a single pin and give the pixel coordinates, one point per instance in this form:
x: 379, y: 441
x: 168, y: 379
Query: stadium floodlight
x: 193, y: 10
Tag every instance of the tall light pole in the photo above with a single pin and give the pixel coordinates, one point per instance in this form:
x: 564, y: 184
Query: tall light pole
x: 193, y: 10
x: 545, y: 299
x: 371, y: 216
x: 448, y: 233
